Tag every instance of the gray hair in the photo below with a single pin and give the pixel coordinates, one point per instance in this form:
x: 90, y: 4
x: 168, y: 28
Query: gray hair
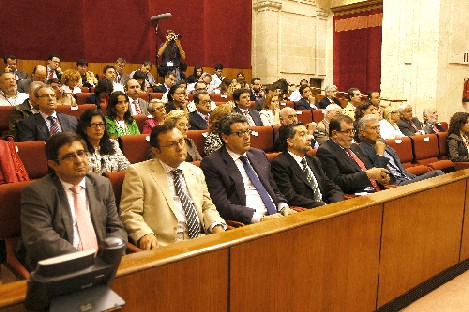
x: 402, y: 107
x: 365, y: 120
x: 329, y: 88
x: 332, y: 107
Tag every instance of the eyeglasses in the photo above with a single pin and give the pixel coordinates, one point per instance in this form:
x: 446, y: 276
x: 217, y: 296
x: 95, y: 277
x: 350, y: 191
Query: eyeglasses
x: 44, y: 96
x: 242, y: 132
x: 72, y: 156
x: 97, y: 125
x: 205, y: 102
x: 173, y: 144
x: 161, y: 108
x: 348, y: 131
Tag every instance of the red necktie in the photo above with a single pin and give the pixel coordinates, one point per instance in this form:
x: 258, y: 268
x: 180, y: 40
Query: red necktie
x: 435, y: 129
x: 362, y: 166
x: 414, y: 126
x: 137, y: 107
x: 50, y: 75
x: 86, y: 232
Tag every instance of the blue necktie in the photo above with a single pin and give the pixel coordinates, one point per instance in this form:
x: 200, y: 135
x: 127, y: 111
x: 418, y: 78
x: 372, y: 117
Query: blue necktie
x: 258, y: 185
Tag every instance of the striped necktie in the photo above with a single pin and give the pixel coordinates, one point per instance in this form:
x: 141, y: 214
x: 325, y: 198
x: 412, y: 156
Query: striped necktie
x: 311, y: 180
x: 54, y: 125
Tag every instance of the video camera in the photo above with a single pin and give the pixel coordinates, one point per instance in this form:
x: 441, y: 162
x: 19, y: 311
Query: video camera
x: 174, y: 37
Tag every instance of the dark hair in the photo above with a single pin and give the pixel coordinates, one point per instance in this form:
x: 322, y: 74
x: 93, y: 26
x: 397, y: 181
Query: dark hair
x: 224, y: 127
x: 456, y: 122
x: 237, y: 93
x: 371, y: 92
x: 172, y: 90
x: 111, y: 107
x: 169, y: 73
x: 104, y: 85
x: 218, y: 66
x: 52, y: 56
x: 82, y: 62
x: 11, y: 57
x: 350, y: 93
x: 281, y: 84
x: 336, y: 121
x: 156, y: 131
x: 53, y: 80
x: 196, y: 96
x: 56, y: 141
x: 107, y: 67
x: 360, y: 111
x: 302, y: 88
x: 195, y: 70
x: 106, y: 147
x: 139, y: 75
x: 254, y: 79
x: 286, y: 132
x: 146, y: 63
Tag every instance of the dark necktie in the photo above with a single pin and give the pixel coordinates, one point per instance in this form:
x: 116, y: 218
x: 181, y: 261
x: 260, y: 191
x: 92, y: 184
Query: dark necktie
x: 311, y: 180
x: 258, y: 185
x: 362, y: 166
x: 192, y: 220
x: 54, y: 125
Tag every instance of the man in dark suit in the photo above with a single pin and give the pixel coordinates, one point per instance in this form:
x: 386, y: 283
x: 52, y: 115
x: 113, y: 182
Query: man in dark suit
x: 307, y: 99
x: 239, y: 178
x: 198, y: 119
x: 39, y: 74
x: 169, y: 81
x: 67, y: 210
x: 241, y: 98
x: 430, y: 118
x: 382, y: 155
x: 299, y: 176
x: 343, y: 163
x: 53, y: 67
x: 10, y: 67
x: 408, y: 125
x: 40, y: 126
x: 330, y: 98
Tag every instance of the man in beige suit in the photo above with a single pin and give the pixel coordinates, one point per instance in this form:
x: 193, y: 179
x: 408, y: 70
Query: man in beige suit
x: 165, y: 199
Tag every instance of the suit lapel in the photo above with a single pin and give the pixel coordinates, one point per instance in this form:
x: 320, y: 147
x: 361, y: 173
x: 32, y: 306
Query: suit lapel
x: 64, y: 208
x: 256, y: 164
x: 41, y: 126
x: 341, y: 153
x: 193, y: 188
x: 297, y: 170
x: 160, y: 178
x: 234, y: 174
x: 95, y: 208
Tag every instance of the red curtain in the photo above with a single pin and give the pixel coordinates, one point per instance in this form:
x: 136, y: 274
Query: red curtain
x: 357, y: 50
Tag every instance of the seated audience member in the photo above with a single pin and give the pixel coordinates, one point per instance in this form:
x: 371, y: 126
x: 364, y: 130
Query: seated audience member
x: 375, y: 98
x: 140, y: 78
x: 169, y: 81
x: 178, y: 119
x: 307, y: 99
x: 62, y: 98
x: 53, y: 67
x: 239, y: 177
x: 10, y: 62
x: 199, y: 119
x: 366, y: 108
x: 148, y: 77
x: 119, y: 121
x: 343, y: 162
x: 355, y: 99
x: 321, y: 134
x: 407, y: 124
x: 207, y: 79
x: 27, y: 108
x: 38, y: 74
x: 69, y: 209
x: 213, y: 141
x: 388, y: 126
x: 42, y: 125
x: 176, y: 99
x: 157, y: 110
x: 457, y: 142
x: 383, y: 156
x: 138, y: 106
x: 217, y: 76
x: 242, y: 81
x: 330, y: 98
x: 121, y: 75
x: 288, y: 116
x: 165, y: 199
x: 70, y: 81
x: 256, y: 91
x: 270, y: 114
x: 199, y: 86
x: 104, y: 154
x: 295, y: 96
x: 243, y: 106
x: 430, y: 119
x: 234, y: 85
x: 110, y: 73
x: 9, y: 96
x: 299, y: 176
x: 198, y: 70
x: 101, y: 94
x: 224, y: 86
x: 87, y: 77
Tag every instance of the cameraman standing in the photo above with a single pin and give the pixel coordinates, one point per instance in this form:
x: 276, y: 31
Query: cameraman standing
x: 172, y: 55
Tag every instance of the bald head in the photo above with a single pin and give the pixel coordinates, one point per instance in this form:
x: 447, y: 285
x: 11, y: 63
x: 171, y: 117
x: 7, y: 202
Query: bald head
x: 39, y: 73
x: 288, y: 116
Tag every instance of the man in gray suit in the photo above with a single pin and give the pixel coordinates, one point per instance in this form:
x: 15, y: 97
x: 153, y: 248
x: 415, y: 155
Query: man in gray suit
x: 137, y: 105
x: 69, y: 209
x: 40, y: 126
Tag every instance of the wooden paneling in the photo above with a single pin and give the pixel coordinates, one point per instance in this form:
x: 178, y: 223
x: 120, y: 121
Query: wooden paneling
x: 329, y: 266
x: 465, y: 231
x: 420, y: 238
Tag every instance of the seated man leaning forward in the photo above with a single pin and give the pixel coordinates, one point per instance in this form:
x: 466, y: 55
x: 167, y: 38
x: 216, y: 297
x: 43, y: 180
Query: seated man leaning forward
x: 299, y: 176
x: 69, y: 209
x: 165, y: 199
x: 239, y: 177
x: 382, y: 155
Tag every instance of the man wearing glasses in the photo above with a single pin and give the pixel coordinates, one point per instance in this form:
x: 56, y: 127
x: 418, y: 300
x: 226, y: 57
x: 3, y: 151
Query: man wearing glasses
x: 69, y: 209
x: 239, y: 177
x: 165, y: 199
x: 199, y: 119
x: 42, y: 125
x: 343, y: 162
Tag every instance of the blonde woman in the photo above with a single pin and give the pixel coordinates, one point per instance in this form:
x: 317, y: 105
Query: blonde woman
x: 388, y: 126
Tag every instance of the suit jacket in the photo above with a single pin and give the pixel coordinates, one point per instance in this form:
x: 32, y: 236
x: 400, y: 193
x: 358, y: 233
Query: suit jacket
x: 46, y: 219
x: 23, y: 85
x: 34, y: 128
x: 303, y: 104
x: 382, y: 161
x: 142, y: 104
x: 457, y: 150
x: 21, y: 74
x: 94, y: 99
x: 325, y: 101
x: 18, y: 113
x: 254, y: 115
x: 342, y: 169
x: 226, y: 186
x: 292, y: 182
x: 406, y: 128
x: 429, y: 128
x: 160, y: 89
x: 147, y: 203
x: 321, y: 133
x: 197, y: 122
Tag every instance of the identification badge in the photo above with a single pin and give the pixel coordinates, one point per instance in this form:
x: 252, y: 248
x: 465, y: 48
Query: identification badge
x: 169, y: 64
